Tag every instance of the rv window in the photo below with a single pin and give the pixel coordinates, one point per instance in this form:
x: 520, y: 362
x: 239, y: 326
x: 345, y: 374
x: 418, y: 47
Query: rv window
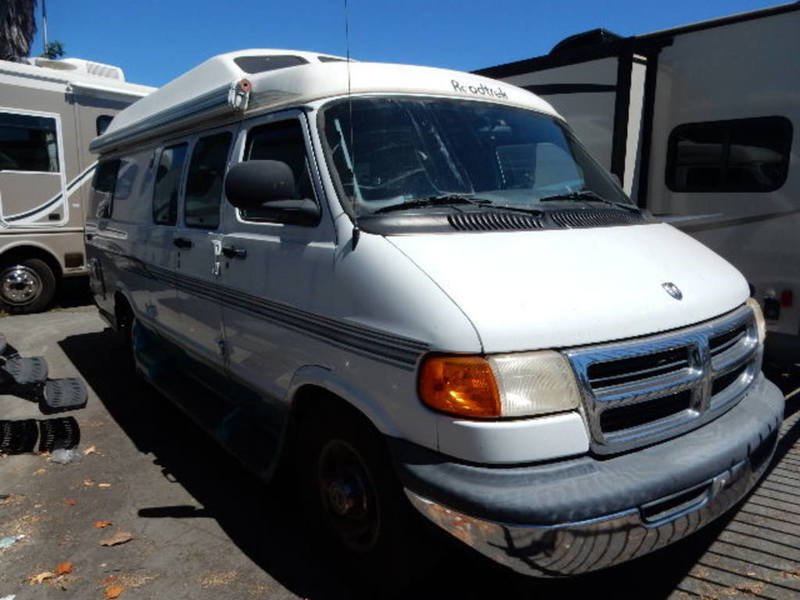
x: 168, y: 180
x: 204, y: 181
x: 102, y: 123
x: 103, y: 184
x: 280, y: 141
x: 28, y: 143
x: 740, y: 155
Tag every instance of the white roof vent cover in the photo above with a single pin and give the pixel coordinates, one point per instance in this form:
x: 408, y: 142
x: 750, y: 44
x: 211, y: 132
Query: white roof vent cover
x: 79, y: 65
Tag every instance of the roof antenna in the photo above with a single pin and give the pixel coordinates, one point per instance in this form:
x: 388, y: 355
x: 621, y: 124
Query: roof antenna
x: 356, y: 230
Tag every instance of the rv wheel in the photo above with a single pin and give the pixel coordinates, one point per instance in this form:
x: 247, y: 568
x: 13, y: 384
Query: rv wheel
x: 26, y: 286
x: 357, y: 514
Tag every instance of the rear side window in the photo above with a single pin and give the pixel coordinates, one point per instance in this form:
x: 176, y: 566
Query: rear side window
x: 103, y: 184
x: 281, y: 141
x: 204, y: 181
x: 168, y: 183
x: 28, y: 143
x: 739, y: 155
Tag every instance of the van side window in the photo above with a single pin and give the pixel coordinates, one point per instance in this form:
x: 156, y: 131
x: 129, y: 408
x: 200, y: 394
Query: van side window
x: 204, y: 181
x: 103, y: 184
x: 168, y: 182
x: 102, y: 122
x: 28, y: 143
x: 126, y: 177
x: 739, y: 155
x: 281, y: 141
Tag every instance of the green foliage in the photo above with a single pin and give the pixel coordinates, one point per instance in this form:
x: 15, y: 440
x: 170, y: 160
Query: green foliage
x: 54, y: 49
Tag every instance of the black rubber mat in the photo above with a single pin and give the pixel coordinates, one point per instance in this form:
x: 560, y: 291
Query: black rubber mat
x: 25, y: 370
x: 60, y: 395
x: 61, y: 433
x: 18, y: 437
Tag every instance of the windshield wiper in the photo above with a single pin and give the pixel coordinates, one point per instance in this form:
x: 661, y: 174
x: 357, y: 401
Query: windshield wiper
x: 442, y: 200
x: 590, y: 196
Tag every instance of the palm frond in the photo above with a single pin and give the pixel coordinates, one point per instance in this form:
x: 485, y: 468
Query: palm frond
x: 17, y: 27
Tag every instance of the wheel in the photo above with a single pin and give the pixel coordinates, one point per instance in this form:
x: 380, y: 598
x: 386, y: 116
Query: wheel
x: 357, y: 514
x: 26, y: 286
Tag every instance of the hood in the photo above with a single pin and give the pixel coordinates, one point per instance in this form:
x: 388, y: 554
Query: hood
x: 554, y: 289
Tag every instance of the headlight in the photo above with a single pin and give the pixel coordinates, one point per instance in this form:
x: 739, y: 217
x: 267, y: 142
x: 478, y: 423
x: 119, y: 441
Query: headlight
x: 502, y: 385
x: 761, y: 325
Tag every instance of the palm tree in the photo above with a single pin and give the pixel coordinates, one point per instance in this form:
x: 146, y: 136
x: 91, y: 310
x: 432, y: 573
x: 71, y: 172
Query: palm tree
x: 17, y: 26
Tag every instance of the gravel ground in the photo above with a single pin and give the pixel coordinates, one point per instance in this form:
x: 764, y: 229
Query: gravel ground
x: 203, y: 528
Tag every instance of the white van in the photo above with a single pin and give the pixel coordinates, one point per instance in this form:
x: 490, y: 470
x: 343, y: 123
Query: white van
x: 419, y: 287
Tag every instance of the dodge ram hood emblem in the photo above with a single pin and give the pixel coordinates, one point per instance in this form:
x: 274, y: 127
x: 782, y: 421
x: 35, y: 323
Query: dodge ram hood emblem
x: 673, y: 290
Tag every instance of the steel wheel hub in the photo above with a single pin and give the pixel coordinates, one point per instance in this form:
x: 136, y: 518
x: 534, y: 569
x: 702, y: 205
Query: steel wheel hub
x: 348, y: 496
x: 20, y: 285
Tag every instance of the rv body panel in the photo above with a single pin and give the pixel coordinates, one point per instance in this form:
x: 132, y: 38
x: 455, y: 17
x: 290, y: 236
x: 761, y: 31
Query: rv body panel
x: 48, y: 115
x: 736, y: 72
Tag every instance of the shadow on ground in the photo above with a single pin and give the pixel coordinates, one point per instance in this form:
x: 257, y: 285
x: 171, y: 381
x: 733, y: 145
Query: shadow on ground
x: 263, y: 521
x: 72, y: 292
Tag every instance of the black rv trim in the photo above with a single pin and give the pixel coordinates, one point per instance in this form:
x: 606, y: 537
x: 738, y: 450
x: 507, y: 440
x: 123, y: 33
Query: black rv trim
x: 722, y: 21
x: 622, y: 102
x: 549, y: 61
x: 646, y: 130
x: 551, y: 89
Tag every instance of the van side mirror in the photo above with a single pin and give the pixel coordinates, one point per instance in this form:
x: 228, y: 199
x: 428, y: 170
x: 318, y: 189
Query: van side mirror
x: 267, y: 188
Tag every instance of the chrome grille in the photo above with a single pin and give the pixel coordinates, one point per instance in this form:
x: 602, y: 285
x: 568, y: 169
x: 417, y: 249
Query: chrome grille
x: 649, y: 389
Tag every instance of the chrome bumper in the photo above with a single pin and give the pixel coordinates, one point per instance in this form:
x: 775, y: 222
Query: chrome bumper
x: 573, y: 548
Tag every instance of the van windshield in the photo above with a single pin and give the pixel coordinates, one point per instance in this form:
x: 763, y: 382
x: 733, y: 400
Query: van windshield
x: 405, y: 153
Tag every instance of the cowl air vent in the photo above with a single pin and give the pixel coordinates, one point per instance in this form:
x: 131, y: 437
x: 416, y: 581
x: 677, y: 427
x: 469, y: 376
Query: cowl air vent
x: 589, y: 217
x: 494, y: 221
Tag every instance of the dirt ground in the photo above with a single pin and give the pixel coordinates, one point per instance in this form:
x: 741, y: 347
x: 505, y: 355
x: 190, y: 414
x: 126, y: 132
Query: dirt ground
x: 203, y: 528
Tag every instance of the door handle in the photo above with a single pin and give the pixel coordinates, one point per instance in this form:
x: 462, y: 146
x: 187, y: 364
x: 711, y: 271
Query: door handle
x: 182, y: 242
x: 234, y: 252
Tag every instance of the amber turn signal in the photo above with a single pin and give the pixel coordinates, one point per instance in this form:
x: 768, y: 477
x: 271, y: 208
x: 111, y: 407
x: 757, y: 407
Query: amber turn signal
x: 459, y: 385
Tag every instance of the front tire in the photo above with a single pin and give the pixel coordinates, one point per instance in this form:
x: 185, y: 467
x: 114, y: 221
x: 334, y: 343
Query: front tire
x: 26, y: 286
x: 357, y: 513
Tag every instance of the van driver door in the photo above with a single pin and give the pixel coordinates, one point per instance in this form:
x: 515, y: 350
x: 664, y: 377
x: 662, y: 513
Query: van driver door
x: 273, y: 273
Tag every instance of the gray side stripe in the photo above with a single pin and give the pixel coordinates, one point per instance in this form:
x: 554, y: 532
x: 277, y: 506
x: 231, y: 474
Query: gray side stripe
x: 366, y: 341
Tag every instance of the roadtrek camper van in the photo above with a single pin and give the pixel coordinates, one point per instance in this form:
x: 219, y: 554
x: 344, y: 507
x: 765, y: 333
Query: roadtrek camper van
x: 700, y: 123
x: 49, y: 112
x: 417, y: 290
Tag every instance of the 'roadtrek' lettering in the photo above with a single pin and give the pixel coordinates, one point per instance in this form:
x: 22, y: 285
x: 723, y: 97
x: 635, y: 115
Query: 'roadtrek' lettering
x: 479, y: 90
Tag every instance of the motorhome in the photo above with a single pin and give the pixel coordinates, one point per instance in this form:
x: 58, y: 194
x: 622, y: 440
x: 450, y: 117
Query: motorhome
x: 699, y: 122
x: 49, y: 112
x: 417, y: 291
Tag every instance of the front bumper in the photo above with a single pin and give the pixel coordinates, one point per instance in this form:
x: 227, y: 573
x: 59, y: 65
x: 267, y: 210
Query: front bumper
x: 585, y: 514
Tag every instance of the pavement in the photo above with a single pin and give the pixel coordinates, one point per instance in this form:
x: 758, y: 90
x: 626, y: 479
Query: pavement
x: 202, y: 528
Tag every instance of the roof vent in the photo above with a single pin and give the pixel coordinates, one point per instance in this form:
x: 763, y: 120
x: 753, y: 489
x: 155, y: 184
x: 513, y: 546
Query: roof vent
x: 264, y: 63
x: 79, y: 65
x: 494, y: 221
x: 591, y: 217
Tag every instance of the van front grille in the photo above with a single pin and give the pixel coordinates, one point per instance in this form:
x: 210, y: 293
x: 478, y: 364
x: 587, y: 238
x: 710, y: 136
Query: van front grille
x: 636, y: 415
x: 649, y: 389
